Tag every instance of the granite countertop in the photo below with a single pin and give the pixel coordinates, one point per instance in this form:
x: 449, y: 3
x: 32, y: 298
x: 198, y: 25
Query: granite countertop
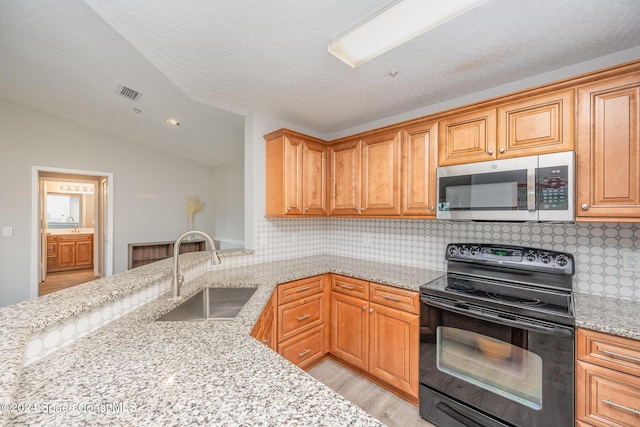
x: 613, y: 316
x: 138, y: 371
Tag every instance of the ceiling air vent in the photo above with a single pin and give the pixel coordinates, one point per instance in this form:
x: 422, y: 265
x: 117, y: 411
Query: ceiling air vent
x: 128, y: 92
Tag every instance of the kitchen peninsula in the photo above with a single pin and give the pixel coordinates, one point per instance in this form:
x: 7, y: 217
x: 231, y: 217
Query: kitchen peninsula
x: 138, y: 371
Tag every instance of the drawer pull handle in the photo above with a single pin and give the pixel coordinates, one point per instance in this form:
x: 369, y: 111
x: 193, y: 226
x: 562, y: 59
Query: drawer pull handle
x: 614, y: 354
x: 624, y: 408
x: 307, y: 351
x: 389, y: 297
x: 304, y: 316
x: 303, y: 289
x: 347, y: 287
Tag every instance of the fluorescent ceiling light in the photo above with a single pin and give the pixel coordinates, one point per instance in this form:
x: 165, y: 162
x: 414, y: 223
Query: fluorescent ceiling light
x: 395, y: 25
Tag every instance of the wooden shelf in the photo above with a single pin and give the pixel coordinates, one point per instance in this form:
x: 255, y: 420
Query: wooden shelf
x: 146, y: 253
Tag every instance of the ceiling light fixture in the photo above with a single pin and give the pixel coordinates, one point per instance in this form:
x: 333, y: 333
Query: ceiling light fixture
x: 173, y: 122
x: 395, y: 25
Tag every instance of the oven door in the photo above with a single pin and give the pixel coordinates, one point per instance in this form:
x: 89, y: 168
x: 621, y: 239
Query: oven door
x: 479, y: 367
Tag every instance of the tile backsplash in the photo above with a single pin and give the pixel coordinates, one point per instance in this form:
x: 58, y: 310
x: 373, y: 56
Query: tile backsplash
x: 597, y: 247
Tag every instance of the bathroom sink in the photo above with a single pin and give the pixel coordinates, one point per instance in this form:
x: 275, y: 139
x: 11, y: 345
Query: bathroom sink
x: 211, y: 304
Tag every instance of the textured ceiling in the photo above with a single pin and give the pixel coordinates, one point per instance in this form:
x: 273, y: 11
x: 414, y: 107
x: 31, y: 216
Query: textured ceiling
x: 211, y: 58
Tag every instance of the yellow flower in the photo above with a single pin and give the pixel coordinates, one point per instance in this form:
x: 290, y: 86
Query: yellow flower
x: 194, y: 205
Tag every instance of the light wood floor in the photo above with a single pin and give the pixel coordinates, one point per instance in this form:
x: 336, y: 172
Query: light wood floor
x: 384, y: 405
x: 65, y: 279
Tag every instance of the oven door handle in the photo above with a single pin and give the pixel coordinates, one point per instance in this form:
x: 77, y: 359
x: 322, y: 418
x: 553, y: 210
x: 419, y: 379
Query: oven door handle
x: 556, y: 330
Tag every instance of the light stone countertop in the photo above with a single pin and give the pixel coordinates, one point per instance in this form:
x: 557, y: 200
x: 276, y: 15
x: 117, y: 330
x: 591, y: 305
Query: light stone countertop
x: 138, y: 371
x: 613, y: 316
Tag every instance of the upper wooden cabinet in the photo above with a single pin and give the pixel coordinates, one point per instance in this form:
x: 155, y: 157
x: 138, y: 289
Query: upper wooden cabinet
x: 344, y: 178
x: 295, y: 175
x: 467, y: 138
x: 608, y: 150
x: 365, y: 176
x: 537, y: 125
x: 419, y: 161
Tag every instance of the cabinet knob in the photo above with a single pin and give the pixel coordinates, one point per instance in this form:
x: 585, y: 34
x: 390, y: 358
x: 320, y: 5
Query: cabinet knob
x: 585, y: 207
x: 501, y: 149
x: 371, y: 310
x: 431, y: 208
x: 288, y: 209
x: 306, y: 209
x: 490, y: 151
x: 364, y: 308
x: 361, y: 209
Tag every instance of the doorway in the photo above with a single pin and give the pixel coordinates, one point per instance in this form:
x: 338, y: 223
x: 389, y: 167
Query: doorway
x: 72, y: 228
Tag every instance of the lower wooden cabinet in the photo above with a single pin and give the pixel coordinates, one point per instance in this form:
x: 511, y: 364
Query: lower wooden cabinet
x: 380, y: 338
x: 69, y: 252
x: 607, y: 380
x: 371, y: 328
x: 350, y: 330
x: 393, y: 347
x: 265, y: 328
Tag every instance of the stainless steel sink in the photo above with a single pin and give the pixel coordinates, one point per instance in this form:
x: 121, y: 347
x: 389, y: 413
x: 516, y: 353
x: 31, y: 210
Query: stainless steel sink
x: 211, y: 304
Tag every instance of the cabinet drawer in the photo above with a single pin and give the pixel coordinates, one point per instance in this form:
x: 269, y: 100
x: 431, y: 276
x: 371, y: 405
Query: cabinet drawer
x: 349, y: 286
x: 390, y: 296
x: 305, y: 348
x: 610, y: 351
x: 610, y: 398
x: 298, y: 289
x: 299, y: 316
x: 75, y: 238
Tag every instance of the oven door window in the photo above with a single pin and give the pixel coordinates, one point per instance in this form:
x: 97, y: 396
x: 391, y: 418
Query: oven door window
x: 492, y: 364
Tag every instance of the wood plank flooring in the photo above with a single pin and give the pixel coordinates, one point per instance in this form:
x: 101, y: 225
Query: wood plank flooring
x: 382, y: 404
x: 65, y: 279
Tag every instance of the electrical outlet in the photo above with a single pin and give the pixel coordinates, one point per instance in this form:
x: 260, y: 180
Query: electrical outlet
x: 366, y: 238
x: 631, y: 261
x: 7, y: 231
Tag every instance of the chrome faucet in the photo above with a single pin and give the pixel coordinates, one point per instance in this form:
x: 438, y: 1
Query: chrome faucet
x: 178, y: 277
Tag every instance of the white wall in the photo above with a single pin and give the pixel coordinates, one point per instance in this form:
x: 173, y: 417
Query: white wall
x: 228, y: 192
x: 150, y: 187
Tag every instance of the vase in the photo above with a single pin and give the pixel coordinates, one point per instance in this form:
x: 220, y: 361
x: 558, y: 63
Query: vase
x: 190, y: 227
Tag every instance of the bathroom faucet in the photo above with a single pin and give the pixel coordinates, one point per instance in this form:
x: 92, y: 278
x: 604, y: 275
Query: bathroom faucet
x: 178, y: 278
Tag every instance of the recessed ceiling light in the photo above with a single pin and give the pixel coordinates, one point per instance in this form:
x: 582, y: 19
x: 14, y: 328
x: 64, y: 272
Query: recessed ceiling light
x: 400, y: 22
x: 173, y: 122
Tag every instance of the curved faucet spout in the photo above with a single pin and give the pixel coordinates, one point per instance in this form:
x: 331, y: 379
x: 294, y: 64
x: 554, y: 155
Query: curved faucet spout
x: 178, y: 278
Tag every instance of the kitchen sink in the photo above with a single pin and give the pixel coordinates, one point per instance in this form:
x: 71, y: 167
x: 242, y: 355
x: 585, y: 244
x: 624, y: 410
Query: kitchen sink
x: 211, y: 304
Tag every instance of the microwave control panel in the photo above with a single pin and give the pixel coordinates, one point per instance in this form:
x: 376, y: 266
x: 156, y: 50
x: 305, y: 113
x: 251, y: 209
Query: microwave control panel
x: 552, y: 189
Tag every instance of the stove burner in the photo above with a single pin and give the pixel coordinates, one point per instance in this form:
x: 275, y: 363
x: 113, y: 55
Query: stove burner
x: 460, y: 287
x: 519, y: 300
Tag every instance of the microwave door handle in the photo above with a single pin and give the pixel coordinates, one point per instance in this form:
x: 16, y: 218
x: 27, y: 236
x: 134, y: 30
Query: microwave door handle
x: 531, y: 189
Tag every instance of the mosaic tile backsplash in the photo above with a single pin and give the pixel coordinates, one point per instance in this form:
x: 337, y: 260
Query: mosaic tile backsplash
x: 597, y: 247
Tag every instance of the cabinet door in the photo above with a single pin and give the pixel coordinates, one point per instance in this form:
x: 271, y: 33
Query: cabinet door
x: 381, y: 174
x: 539, y: 125
x: 292, y: 175
x: 52, y: 252
x: 66, y: 253
x: 314, y: 178
x: 467, y: 138
x: 345, y: 178
x: 606, y: 398
x: 393, y: 353
x: 350, y: 330
x: 608, y: 150
x: 84, y: 252
x: 419, y: 160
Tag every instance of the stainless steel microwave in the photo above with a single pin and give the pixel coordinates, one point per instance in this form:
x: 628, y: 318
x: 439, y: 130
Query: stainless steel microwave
x: 532, y: 188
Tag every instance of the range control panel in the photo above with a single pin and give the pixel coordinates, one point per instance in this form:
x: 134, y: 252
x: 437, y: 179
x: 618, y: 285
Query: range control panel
x: 534, y: 259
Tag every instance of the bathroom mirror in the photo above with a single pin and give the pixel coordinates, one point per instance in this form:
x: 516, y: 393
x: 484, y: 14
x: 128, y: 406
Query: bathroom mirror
x: 64, y: 210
